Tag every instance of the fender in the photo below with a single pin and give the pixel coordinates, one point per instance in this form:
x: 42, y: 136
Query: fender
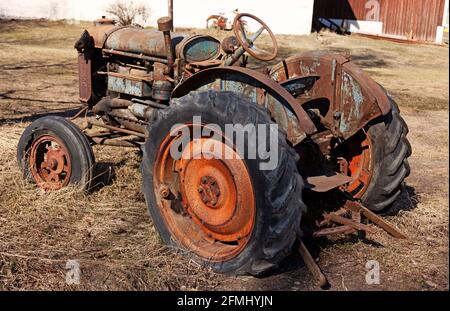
x: 345, y: 95
x: 259, y: 88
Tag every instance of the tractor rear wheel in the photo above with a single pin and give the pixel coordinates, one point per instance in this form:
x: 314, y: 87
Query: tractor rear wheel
x: 378, y: 161
x: 226, y: 211
x: 54, y: 153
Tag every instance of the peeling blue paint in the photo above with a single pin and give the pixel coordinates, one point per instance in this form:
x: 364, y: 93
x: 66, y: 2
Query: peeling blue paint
x: 286, y: 120
x: 352, y: 101
x: 131, y: 87
x: 200, y: 49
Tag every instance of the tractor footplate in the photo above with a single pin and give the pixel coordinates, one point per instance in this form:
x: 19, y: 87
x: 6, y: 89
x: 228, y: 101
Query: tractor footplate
x: 326, y: 181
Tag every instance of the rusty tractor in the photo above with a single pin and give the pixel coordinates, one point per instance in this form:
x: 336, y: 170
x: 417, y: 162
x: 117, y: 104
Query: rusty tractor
x: 341, y: 142
x: 222, y: 21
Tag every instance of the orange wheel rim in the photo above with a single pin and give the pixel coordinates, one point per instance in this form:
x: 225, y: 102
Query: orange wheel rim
x: 50, y: 163
x: 207, y: 202
x: 360, y: 166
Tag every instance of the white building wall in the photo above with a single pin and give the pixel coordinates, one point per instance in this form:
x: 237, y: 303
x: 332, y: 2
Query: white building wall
x: 282, y: 16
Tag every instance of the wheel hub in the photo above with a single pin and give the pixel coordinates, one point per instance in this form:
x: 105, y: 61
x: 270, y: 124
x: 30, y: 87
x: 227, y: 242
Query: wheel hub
x: 216, y: 195
x: 49, y: 163
x: 358, y: 164
x: 209, y: 191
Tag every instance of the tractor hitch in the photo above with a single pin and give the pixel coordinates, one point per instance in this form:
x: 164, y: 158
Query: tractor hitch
x: 346, y: 220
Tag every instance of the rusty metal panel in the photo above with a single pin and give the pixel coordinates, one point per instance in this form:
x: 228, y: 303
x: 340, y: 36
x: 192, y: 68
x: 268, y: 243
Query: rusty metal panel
x: 100, y: 33
x: 285, y: 119
x: 346, y: 97
x: 84, y: 77
x: 287, y: 112
x: 356, y: 107
x: 407, y: 19
x: 141, y: 41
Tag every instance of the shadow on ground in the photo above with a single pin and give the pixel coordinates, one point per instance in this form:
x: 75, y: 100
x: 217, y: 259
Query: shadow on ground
x: 105, y: 173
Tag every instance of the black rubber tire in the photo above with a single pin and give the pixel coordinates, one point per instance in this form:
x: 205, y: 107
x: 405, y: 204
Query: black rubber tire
x: 278, y: 193
x: 390, y: 151
x: 80, y: 151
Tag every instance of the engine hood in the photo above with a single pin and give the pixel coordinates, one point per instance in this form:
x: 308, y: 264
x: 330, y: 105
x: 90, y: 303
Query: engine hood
x: 192, y: 48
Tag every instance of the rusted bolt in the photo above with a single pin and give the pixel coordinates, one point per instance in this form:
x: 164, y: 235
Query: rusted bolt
x: 53, y: 164
x: 164, y: 192
x: 200, y: 189
x: 204, y: 180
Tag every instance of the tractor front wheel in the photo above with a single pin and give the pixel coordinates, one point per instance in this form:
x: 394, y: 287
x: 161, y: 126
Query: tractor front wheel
x: 227, y: 211
x: 54, y: 153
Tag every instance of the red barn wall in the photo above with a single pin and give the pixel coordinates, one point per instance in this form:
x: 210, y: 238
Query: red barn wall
x: 409, y: 19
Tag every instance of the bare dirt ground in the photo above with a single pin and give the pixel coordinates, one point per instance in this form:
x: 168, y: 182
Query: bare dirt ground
x: 109, y: 231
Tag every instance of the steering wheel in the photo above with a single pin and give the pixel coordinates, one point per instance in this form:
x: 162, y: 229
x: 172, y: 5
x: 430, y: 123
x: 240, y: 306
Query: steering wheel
x: 247, y: 41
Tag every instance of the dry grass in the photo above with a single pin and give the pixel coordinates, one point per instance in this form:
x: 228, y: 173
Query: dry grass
x: 110, y: 232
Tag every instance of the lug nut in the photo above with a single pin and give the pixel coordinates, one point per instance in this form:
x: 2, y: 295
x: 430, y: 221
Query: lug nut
x: 165, y: 192
x: 53, y: 164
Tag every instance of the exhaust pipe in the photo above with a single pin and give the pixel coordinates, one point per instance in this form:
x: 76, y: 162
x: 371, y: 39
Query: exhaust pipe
x: 170, y: 7
x: 165, y: 24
